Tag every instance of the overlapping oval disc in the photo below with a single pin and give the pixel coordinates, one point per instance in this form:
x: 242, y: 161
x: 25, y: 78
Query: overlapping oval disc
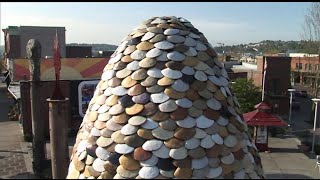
x: 164, y: 108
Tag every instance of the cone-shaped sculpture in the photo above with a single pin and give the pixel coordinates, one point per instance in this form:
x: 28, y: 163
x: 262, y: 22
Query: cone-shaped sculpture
x: 164, y: 109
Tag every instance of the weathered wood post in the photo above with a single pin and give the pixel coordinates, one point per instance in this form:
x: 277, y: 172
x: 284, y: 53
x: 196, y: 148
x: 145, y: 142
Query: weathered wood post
x: 33, y: 49
x: 58, y: 123
x: 59, y: 137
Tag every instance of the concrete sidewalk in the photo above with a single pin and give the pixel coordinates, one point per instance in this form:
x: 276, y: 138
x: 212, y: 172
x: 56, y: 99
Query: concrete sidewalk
x: 15, y: 160
x: 287, y: 161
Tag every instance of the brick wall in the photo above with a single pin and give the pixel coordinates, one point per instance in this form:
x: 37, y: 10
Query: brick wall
x: 235, y: 75
x: 277, y: 75
x: 277, y: 81
x: 15, y: 50
x: 303, y: 61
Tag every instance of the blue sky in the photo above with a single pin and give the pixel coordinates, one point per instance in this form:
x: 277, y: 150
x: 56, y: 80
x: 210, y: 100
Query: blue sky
x: 109, y: 22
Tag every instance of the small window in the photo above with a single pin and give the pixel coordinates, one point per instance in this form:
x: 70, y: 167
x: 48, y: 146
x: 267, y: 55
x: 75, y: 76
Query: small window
x: 300, y: 65
x: 310, y: 66
x: 297, y: 66
x: 305, y: 66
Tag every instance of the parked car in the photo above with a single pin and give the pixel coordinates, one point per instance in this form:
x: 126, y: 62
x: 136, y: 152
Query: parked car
x: 302, y: 94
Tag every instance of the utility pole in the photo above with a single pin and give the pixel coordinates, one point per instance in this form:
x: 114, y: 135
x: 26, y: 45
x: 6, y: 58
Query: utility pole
x: 33, y: 49
x: 317, y: 75
x: 290, y: 110
x: 299, y: 72
x: 315, y: 100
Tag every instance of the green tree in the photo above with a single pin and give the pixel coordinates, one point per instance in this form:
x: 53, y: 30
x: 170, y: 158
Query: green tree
x: 247, y: 94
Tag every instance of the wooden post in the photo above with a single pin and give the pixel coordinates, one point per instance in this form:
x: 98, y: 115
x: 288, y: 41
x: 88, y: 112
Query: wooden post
x: 58, y: 120
x: 33, y: 49
x: 58, y: 124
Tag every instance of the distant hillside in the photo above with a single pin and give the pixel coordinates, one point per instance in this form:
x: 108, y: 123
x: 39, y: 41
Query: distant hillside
x: 263, y: 47
x: 96, y: 47
x: 270, y: 47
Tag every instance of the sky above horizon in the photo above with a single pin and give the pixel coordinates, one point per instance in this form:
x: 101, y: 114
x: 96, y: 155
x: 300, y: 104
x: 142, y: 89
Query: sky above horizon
x: 230, y: 23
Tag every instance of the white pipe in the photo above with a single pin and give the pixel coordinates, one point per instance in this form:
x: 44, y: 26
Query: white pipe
x: 290, y: 108
x: 314, y: 125
x: 264, y: 77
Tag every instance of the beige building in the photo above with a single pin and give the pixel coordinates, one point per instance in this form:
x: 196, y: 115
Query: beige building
x: 17, y: 37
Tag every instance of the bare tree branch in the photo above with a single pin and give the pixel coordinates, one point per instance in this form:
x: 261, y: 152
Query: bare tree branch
x: 311, y: 33
x: 311, y: 25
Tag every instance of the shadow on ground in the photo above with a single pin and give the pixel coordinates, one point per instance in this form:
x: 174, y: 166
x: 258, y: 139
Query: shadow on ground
x: 285, y: 150
x: 287, y: 176
x: 13, y: 151
x: 304, y: 136
x: 284, y: 136
x: 5, y: 104
x: 26, y: 175
x: 310, y: 155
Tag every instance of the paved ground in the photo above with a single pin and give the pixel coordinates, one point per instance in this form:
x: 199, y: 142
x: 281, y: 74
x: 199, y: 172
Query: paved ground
x: 302, y: 121
x: 287, y: 161
x: 15, y: 160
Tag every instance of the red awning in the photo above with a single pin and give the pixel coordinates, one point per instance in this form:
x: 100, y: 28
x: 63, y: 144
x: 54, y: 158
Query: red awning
x: 258, y: 118
x: 263, y: 106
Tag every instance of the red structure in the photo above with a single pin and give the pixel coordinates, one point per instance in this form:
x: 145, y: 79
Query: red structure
x: 57, y: 67
x: 261, y: 118
x: 262, y: 106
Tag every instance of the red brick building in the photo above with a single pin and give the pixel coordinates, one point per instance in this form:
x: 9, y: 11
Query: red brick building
x: 235, y: 75
x: 305, y: 69
x: 277, y: 81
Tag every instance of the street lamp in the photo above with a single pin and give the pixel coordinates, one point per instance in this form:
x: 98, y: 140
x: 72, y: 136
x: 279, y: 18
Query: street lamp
x: 291, y: 92
x: 222, y: 44
x: 315, y: 100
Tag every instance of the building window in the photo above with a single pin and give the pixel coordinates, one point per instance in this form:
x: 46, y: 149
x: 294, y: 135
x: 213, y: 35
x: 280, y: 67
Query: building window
x: 310, y: 66
x: 298, y: 65
x: 305, y: 66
